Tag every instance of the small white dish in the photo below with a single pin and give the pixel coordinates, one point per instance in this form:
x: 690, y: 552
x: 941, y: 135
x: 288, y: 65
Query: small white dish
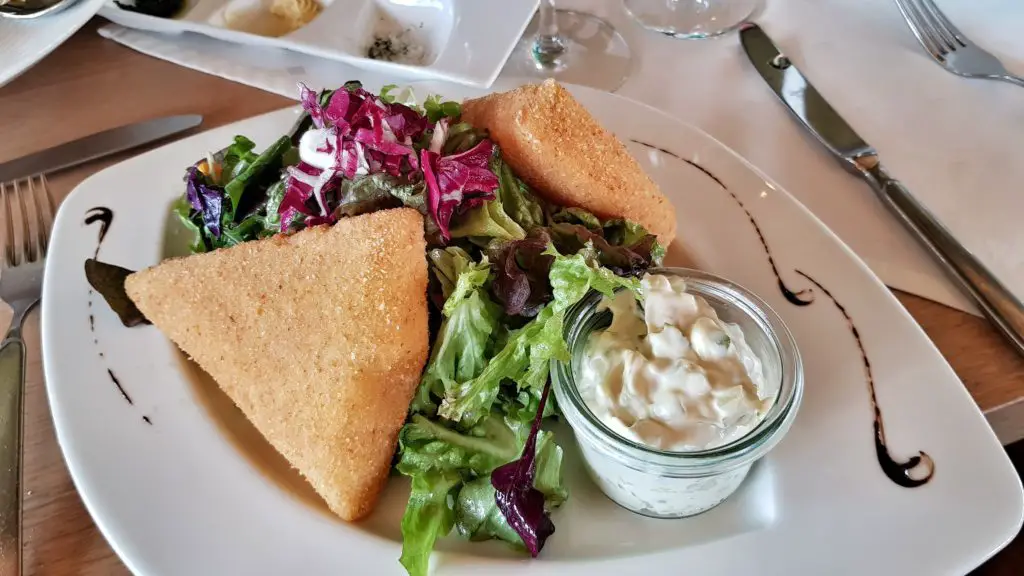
x: 180, y: 483
x: 463, y: 41
x: 25, y: 42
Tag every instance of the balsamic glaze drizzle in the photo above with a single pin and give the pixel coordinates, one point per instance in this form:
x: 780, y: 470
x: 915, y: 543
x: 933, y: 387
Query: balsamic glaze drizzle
x: 104, y: 216
x: 898, y: 472
x: 120, y: 388
x: 794, y: 298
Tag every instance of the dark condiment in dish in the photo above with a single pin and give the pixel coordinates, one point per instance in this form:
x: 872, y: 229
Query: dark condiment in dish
x: 158, y: 8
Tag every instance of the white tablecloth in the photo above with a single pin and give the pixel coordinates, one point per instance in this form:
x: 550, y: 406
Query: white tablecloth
x: 957, y: 144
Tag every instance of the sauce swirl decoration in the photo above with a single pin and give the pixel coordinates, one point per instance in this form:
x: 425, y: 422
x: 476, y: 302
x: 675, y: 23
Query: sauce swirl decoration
x: 797, y: 298
x: 105, y: 216
x: 898, y: 472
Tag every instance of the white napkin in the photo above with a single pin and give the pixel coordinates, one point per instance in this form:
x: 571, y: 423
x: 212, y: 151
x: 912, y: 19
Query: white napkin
x: 956, y: 143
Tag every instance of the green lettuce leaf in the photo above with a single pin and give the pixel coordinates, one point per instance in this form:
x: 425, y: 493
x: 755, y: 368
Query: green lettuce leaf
x: 470, y: 319
x: 428, y: 446
x: 461, y: 137
x: 573, y: 276
x: 429, y: 515
x: 526, y: 356
x: 267, y: 163
x: 577, y: 216
x: 477, y: 516
x: 489, y: 220
x: 183, y: 210
x: 623, y: 232
x: 548, y: 478
x: 237, y: 158
x: 519, y: 202
x: 375, y: 192
x: 439, y: 459
x: 436, y: 108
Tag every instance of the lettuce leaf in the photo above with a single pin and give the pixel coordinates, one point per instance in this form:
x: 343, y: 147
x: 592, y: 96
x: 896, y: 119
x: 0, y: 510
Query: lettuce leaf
x: 428, y: 515
x: 237, y: 157
x: 624, y: 260
x: 526, y: 356
x: 436, y: 108
x: 183, y: 210
x: 519, y: 202
x: 521, y: 270
x: 457, y: 183
x: 470, y: 321
x: 461, y: 137
x: 269, y: 162
x: 578, y: 216
x: 487, y: 221
x: 520, y: 502
x: 430, y: 446
x: 477, y: 516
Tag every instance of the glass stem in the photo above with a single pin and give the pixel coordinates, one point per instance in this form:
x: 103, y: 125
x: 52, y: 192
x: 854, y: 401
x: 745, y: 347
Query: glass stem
x: 548, y: 46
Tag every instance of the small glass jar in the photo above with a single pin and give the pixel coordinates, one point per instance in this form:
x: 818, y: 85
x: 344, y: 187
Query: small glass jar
x: 666, y: 484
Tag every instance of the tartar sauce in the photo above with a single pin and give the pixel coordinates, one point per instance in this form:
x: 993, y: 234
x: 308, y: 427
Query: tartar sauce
x: 672, y: 375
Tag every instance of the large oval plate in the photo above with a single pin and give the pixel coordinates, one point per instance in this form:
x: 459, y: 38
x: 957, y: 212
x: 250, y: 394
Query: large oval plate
x: 180, y: 484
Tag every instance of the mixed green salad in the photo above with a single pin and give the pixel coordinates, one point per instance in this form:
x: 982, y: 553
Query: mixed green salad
x: 505, y: 268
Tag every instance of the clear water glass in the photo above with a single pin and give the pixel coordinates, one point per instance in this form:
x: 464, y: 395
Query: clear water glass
x: 572, y: 47
x: 691, y: 19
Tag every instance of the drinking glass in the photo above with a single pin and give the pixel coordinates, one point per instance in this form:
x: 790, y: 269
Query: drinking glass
x: 691, y: 18
x: 573, y: 47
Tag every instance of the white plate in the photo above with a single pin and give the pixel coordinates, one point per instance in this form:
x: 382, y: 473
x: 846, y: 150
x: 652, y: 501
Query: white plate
x: 464, y: 41
x: 196, y: 491
x: 25, y: 42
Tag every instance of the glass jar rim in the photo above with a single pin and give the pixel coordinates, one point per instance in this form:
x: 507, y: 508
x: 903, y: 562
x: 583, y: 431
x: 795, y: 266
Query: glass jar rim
x: 735, y: 453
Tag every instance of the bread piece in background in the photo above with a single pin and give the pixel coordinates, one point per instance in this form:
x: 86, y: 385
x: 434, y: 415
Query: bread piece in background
x: 553, y: 143
x: 319, y: 338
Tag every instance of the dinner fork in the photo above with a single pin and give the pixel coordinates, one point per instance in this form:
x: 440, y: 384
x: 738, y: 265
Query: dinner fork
x: 21, y: 278
x: 948, y: 46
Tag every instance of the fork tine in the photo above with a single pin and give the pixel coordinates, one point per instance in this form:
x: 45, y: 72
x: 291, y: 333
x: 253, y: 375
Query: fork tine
x: 28, y: 241
x: 952, y: 32
x: 942, y: 33
x: 911, y: 13
x: 931, y: 27
x: 43, y: 221
x: 10, y: 248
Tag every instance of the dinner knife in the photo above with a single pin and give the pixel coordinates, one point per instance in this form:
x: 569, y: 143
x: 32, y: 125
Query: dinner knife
x: 1001, y: 306
x: 96, y: 146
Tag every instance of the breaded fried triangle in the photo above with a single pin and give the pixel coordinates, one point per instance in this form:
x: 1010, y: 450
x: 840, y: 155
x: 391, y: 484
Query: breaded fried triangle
x: 318, y: 337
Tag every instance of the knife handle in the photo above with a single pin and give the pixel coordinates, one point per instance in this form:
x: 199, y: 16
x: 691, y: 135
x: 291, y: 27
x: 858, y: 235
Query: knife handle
x: 1001, y: 306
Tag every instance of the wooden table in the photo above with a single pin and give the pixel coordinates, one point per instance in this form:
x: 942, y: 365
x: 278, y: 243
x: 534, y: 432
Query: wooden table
x: 90, y: 84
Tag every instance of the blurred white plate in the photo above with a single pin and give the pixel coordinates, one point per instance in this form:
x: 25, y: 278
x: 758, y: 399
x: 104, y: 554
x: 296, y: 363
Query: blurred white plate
x: 196, y: 490
x: 464, y: 41
x: 25, y: 42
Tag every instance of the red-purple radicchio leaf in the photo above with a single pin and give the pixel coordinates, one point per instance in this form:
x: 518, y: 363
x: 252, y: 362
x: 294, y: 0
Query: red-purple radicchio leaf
x: 457, y: 182
x: 305, y: 182
x: 207, y: 200
x: 311, y: 104
x: 521, y: 503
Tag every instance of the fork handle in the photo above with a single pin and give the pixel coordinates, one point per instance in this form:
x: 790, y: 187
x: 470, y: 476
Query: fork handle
x: 1012, y: 79
x: 1001, y: 306
x: 12, y: 384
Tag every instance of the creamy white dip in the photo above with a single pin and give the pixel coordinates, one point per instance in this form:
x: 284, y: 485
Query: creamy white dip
x: 671, y: 375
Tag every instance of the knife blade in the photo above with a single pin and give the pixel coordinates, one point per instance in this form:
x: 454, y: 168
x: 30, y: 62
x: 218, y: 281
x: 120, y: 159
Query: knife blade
x: 818, y: 117
x: 96, y: 146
